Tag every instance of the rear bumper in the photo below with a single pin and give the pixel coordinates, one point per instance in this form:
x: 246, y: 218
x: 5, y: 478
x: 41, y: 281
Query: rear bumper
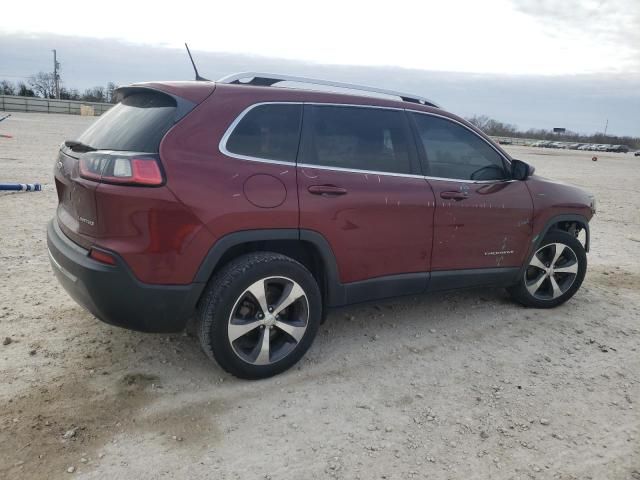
x: 113, y: 294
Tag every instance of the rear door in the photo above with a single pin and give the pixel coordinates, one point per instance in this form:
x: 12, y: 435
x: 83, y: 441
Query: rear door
x: 482, y: 217
x: 359, y: 185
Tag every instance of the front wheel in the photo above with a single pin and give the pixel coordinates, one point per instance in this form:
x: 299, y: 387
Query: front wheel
x: 554, y: 272
x: 259, y: 315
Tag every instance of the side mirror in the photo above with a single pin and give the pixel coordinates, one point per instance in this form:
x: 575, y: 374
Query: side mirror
x: 521, y: 170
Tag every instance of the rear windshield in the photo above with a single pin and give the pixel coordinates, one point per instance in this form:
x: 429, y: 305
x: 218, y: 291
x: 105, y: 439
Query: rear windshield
x: 136, y: 124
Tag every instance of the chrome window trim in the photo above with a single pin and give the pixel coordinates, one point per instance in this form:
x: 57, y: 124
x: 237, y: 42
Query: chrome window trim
x: 504, y: 180
x: 222, y: 146
x: 364, y: 172
x: 391, y: 174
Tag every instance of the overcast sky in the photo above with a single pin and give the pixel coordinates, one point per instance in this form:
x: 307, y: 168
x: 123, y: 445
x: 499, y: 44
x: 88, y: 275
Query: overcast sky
x: 536, y: 63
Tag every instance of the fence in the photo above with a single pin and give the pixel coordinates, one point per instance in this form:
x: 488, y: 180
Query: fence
x: 10, y: 103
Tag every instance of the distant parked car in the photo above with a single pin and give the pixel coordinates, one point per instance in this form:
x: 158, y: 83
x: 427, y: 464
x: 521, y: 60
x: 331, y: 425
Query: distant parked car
x: 618, y: 148
x: 637, y: 154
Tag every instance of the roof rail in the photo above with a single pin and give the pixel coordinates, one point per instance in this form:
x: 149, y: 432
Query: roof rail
x: 269, y: 79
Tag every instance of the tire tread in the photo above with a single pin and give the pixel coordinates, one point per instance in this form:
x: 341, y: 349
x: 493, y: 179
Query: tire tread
x: 210, y: 328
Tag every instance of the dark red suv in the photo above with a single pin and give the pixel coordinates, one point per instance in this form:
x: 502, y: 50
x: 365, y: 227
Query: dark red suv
x: 255, y: 208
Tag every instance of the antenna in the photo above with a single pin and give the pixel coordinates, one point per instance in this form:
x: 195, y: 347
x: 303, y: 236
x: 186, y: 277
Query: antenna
x: 198, y: 77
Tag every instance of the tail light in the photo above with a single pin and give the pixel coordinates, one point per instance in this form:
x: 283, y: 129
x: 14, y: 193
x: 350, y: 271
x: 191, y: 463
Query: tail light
x: 121, y: 169
x: 102, y: 257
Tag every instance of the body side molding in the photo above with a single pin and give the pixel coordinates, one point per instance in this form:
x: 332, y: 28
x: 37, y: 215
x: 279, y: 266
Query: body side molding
x: 475, y: 277
x: 385, y: 287
x: 340, y: 294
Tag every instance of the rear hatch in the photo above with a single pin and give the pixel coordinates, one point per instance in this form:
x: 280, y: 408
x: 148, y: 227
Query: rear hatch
x: 121, y: 148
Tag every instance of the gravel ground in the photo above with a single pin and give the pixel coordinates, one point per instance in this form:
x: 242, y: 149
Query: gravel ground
x: 447, y: 386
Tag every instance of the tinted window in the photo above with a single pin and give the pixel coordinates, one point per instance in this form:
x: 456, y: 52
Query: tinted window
x: 360, y: 138
x: 453, y: 151
x: 137, y: 124
x: 268, y: 131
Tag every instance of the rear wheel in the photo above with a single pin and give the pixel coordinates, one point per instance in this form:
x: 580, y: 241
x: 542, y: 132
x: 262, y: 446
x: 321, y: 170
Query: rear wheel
x: 259, y: 315
x: 554, y: 272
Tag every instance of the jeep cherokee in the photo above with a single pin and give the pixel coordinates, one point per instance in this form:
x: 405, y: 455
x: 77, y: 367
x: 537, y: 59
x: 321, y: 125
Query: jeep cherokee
x: 253, y: 209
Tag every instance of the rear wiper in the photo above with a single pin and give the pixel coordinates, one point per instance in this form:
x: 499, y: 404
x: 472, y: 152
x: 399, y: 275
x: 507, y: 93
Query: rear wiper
x: 79, y: 146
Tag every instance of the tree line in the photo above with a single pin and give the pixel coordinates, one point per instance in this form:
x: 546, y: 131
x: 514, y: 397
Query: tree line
x: 496, y: 128
x: 43, y: 85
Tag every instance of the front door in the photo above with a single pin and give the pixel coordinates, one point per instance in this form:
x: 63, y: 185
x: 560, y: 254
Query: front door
x: 482, y: 217
x: 359, y: 185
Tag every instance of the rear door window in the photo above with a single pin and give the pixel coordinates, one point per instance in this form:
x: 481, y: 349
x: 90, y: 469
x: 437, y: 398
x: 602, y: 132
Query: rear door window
x: 269, y: 131
x: 359, y: 138
x: 136, y: 124
x: 455, y: 152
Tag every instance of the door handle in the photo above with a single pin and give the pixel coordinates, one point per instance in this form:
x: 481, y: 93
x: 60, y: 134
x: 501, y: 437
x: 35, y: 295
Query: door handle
x: 327, y: 190
x: 457, y: 196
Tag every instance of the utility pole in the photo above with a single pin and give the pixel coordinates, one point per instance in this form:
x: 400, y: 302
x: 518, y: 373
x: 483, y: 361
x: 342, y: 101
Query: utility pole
x: 606, y: 125
x: 56, y: 75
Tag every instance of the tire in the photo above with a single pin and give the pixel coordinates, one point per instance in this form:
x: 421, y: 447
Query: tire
x: 539, y: 285
x: 229, y: 308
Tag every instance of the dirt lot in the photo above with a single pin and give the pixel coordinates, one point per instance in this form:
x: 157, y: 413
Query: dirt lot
x: 455, y: 385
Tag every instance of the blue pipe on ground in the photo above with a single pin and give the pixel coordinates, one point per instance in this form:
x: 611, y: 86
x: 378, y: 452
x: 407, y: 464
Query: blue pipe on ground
x: 21, y: 187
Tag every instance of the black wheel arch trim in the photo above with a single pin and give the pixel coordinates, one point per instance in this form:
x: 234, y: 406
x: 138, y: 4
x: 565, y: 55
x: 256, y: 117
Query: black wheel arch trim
x: 335, y: 294
x: 557, y: 219
x: 333, y: 288
x: 223, y: 244
x: 537, y: 239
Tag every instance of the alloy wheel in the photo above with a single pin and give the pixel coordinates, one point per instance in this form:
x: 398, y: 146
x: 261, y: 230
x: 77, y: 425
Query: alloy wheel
x: 551, y: 271
x: 268, y: 320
